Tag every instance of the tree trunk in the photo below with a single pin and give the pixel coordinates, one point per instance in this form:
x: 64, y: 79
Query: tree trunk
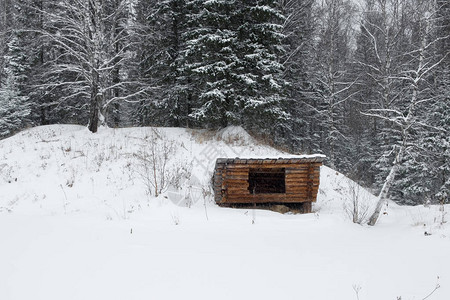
x: 93, y: 119
x: 94, y: 105
x: 383, y: 196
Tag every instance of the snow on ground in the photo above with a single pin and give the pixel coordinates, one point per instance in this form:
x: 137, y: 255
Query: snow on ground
x: 77, y: 221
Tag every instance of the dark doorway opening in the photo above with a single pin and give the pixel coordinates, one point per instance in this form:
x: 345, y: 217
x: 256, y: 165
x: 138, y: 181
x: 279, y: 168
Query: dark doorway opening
x: 267, y: 181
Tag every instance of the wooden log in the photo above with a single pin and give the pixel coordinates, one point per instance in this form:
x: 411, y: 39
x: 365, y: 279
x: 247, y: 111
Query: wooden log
x: 249, y: 197
x: 301, y: 186
x: 258, y: 200
x: 238, y: 181
x: 297, y: 177
x: 300, y: 183
x: 301, y: 177
x: 268, y: 166
x: 242, y: 171
x: 244, y: 174
x: 298, y: 192
x: 302, y: 172
x: 294, y: 189
x: 267, y: 170
x: 306, y: 207
x: 239, y: 177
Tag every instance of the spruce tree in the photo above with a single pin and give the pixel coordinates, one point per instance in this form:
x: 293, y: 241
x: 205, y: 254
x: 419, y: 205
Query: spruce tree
x: 229, y: 67
x: 442, y: 106
x: 260, y: 87
x: 14, y: 106
x: 159, y: 27
x: 211, y: 62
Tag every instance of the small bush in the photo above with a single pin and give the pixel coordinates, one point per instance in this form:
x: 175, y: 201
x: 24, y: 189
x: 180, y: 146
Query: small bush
x: 357, y: 205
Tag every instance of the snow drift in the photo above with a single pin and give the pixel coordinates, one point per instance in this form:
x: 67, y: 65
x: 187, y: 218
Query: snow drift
x: 80, y: 219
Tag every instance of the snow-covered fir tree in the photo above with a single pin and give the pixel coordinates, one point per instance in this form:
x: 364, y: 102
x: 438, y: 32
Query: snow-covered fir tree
x: 333, y: 79
x: 230, y: 69
x: 14, y: 106
x: 159, y: 27
x: 210, y: 63
x: 260, y: 85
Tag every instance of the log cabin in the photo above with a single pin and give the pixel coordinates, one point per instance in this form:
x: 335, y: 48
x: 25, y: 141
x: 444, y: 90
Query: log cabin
x: 286, y: 181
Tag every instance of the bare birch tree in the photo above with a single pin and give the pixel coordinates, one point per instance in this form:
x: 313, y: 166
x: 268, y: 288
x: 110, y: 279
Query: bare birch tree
x: 91, y: 51
x: 405, y: 113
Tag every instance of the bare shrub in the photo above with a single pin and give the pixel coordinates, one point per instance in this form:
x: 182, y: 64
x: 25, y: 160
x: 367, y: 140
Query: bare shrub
x: 175, y: 218
x: 154, y: 165
x: 418, y: 218
x: 443, y: 213
x: 71, y: 175
x: 356, y: 205
x: 6, y: 172
x: 443, y: 199
x: 357, y: 289
x: 66, y: 202
x: 430, y: 294
x: 179, y: 174
x: 203, y: 136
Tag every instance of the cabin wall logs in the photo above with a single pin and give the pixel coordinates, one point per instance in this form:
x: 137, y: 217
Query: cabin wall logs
x: 248, y: 181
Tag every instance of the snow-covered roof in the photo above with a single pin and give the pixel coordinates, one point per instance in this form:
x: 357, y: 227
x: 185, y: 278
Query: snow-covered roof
x: 274, y: 160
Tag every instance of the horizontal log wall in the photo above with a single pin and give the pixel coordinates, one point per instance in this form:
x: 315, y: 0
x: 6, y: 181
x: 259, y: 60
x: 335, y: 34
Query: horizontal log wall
x: 231, y: 185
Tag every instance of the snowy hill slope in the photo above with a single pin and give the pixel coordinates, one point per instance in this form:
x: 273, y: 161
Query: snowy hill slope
x: 57, y: 169
x: 79, y: 220
x: 66, y: 169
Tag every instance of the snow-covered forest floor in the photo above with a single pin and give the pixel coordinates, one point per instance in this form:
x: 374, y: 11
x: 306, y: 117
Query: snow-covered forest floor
x: 79, y: 220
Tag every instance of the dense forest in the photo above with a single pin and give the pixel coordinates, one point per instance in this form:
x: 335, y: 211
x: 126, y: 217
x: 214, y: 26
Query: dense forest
x: 366, y: 83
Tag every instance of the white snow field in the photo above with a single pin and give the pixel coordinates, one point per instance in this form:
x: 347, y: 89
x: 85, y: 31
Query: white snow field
x: 77, y: 221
